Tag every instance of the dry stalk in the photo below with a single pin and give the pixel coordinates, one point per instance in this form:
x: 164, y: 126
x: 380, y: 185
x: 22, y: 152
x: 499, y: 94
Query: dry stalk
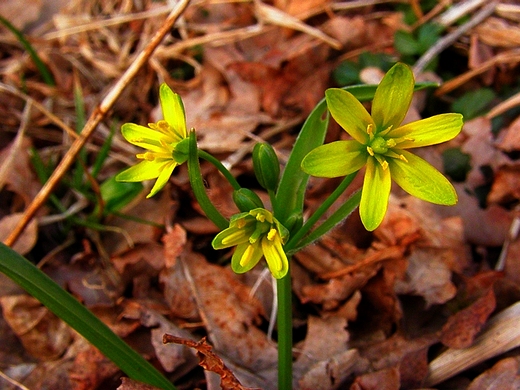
x: 96, y: 117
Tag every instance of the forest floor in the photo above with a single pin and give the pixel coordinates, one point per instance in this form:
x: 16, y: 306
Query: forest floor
x: 427, y: 300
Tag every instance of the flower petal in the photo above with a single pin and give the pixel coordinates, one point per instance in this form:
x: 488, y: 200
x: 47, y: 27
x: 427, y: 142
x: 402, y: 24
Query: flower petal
x: 248, y: 254
x: 232, y: 236
x: 393, y: 97
x: 429, y: 131
x: 275, y: 256
x: 349, y: 113
x: 422, y: 180
x: 143, y: 137
x: 335, y: 159
x: 375, y: 194
x: 173, y: 109
x: 145, y: 170
x: 163, y: 178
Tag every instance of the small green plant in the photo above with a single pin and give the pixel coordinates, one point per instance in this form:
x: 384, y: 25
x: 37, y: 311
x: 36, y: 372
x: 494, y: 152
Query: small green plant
x: 411, y: 45
x: 380, y: 143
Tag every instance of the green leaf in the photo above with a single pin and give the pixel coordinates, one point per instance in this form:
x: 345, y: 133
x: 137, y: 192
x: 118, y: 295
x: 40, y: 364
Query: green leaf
x: 346, y: 73
x: 116, y: 194
x: 405, y: 43
x: 427, y: 35
x: 289, y: 197
x: 66, y: 307
x: 473, y: 103
x: 456, y: 163
x: 40, y: 65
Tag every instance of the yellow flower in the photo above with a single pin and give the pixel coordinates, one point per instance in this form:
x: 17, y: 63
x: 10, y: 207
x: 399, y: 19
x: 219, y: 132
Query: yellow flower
x: 379, y: 143
x: 255, y: 234
x: 163, y: 142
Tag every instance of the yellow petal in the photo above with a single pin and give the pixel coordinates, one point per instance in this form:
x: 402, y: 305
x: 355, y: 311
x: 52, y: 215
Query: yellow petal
x: 375, y: 194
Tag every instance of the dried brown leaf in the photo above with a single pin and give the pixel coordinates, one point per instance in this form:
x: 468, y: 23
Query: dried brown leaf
x: 27, y: 239
x: 461, y: 328
x: 386, y: 379
x: 42, y: 334
x: 503, y: 375
x: 90, y: 369
x: 130, y: 384
x: 209, y: 360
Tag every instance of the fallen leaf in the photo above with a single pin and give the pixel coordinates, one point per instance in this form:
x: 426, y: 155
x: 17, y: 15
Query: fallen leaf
x: 506, y: 185
x: 90, y: 369
x: 428, y: 275
x: 130, y: 384
x: 229, y: 313
x: 209, y: 361
x: 386, y: 379
x: 42, y: 334
x: 461, y: 329
x: 27, y: 239
x: 503, y: 375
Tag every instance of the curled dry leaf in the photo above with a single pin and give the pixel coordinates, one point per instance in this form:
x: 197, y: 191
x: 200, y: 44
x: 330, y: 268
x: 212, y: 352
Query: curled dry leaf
x: 209, y: 361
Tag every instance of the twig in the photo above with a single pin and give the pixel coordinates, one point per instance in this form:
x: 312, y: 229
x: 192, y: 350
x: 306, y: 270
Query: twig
x: 449, y: 39
x: 96, y: 117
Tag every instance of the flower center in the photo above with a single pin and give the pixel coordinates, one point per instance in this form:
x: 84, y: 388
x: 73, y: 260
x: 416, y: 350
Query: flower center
x: 378, y: 145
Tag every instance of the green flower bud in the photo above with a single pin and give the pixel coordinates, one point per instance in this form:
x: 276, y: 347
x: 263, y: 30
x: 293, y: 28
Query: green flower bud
x: 247, y: 200
x: 266, y: 166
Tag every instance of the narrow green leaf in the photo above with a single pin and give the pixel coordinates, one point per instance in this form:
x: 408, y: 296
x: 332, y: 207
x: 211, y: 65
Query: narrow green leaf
x: 289, y: 198
x: 44, y: 71
x: 66, y: 307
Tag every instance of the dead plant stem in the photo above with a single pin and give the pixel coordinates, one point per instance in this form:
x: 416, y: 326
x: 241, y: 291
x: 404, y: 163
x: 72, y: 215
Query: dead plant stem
x: 95, y: 118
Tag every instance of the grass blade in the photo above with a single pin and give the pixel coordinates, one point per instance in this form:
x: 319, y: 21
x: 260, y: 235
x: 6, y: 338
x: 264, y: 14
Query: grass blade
x: 66, y: 307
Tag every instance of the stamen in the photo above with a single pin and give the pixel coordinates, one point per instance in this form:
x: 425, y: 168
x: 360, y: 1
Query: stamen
x: 381, y: 161
x: 370, y: 151
x: 271, y: 234
x: 390, y: 143
x: 370, y: 131
x: 148, y: 156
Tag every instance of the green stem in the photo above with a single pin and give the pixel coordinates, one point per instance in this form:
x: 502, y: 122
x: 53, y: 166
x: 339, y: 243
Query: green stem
x: 284, y: 297
x: 197, y: 185
x: 294, y: 240
x: 222, y: 169
x: 339, y: 215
